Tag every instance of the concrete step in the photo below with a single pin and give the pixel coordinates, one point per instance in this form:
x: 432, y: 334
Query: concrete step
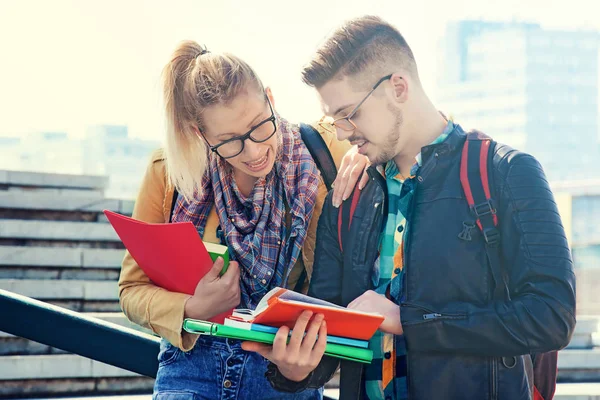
x: 48, y: 180
x: 25, y: 200
x: 56, y: 191
x: 586, y: 332
x: 577, y: 391
x: 579, y: 359
x: 587, y: 324
x: 117, y: 397
x: 92, y: 387
x: 58, y: 289
x: 579, y: 365
x: 564, y: 391
x: 36, y: 257
x: 57, y: 230
x: 54, y: 273
x: 58, y: 366
x: 144, y: 397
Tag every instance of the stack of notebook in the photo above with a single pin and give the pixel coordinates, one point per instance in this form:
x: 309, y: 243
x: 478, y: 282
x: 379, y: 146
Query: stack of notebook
x: 348, y: 331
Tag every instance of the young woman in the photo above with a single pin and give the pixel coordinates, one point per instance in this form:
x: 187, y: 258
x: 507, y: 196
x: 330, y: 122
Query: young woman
x: 245, y: 179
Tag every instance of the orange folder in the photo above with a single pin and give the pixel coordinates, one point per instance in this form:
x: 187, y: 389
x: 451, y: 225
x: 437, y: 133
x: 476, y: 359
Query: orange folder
x: 282, y: 307
x: 172, y: 255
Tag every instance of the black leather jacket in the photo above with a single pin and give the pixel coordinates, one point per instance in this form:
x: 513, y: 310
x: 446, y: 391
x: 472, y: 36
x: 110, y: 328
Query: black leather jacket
x: 475, y: 347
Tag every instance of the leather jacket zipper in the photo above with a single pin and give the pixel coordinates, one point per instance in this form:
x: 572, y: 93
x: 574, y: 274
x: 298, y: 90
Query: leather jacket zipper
x: 494, y: 394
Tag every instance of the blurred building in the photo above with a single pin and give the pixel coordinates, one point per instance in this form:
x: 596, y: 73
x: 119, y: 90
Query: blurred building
x: 579, y: 206
x: 532, y: 88
x: 105, y: 150
x: 108, y: 150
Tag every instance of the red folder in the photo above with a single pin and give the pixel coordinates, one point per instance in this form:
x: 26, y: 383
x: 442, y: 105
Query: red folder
x: 172, y: 255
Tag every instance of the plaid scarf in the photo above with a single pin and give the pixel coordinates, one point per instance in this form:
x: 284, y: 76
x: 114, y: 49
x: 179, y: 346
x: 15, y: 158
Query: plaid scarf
x: 255, y: 227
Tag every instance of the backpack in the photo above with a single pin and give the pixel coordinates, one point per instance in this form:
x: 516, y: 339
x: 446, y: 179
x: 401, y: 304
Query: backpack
x: 475, y: 180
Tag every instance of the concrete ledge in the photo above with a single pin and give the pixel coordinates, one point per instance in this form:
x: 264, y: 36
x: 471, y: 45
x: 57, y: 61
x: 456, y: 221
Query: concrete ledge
x: 39, y: 179
x: 577, y: 391
x: 587, y: 324
x: 583, y: 337
x: 55, y: 367
x: 102, y: 258
x: 56, y: 191
x: 26, y: 200
x: 579, y: 359
x: 583, y: 341
x: 26, y: 256
x: 564, y: 391
x: 85, y: 388
x: 62, y: 289
x: 57, y: 230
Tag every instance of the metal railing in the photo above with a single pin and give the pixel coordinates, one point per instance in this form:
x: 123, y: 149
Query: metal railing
x: 79, y: 334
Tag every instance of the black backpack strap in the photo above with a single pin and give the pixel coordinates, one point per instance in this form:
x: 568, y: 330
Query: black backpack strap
x: 351, y: 379
x: 345, y: 215
x: 173, y: 202
x: 320, y: 153
x: 475, y: 180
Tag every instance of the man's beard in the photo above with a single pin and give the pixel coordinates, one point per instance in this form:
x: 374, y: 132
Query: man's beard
x: 389, y: 147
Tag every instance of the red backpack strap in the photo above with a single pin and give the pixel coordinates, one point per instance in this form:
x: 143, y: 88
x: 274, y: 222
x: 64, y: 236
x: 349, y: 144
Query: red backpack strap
x: 474, y: 178
x: 475, y: 181
x: 537, y: 395
x: 345, y: 214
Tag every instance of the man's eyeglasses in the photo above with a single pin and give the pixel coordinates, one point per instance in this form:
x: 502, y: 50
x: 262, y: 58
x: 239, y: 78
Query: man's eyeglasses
x: 258, y: 134
x: 346, y: 123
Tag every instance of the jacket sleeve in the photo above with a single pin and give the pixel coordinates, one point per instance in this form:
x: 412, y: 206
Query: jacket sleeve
x: 143, y: 302
x: 326, y: 284
x: 540, y: 315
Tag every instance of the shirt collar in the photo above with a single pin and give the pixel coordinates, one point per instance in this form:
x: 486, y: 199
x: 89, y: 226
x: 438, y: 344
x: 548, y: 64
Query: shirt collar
x: 391, y: 169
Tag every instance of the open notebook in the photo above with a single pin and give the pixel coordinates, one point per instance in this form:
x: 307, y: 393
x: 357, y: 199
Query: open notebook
x: 281, y: 307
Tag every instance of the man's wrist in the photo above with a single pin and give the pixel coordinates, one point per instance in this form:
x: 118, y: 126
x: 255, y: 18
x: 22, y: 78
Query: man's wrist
x: 293, y: 375
x: 279, y: 382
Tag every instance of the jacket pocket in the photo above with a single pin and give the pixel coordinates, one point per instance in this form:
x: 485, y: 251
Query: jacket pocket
x: 414, y: 314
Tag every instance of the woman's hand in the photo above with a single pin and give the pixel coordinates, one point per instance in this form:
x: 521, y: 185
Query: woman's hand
x: 298, y: 358
x: 215, y: 294
x: 353, y: 166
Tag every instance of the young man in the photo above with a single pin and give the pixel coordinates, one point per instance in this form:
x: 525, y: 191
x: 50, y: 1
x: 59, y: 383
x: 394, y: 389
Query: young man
x: 454, y: 328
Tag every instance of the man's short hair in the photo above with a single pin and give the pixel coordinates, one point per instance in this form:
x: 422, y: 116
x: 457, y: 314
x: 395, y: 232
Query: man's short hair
x: 365, y: 44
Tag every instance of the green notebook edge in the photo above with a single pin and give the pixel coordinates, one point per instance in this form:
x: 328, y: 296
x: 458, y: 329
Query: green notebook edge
x: 216, y: 250
x: 332, y: 349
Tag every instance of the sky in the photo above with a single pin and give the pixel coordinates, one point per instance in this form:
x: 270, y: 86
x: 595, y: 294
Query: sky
x: 66, y: 64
